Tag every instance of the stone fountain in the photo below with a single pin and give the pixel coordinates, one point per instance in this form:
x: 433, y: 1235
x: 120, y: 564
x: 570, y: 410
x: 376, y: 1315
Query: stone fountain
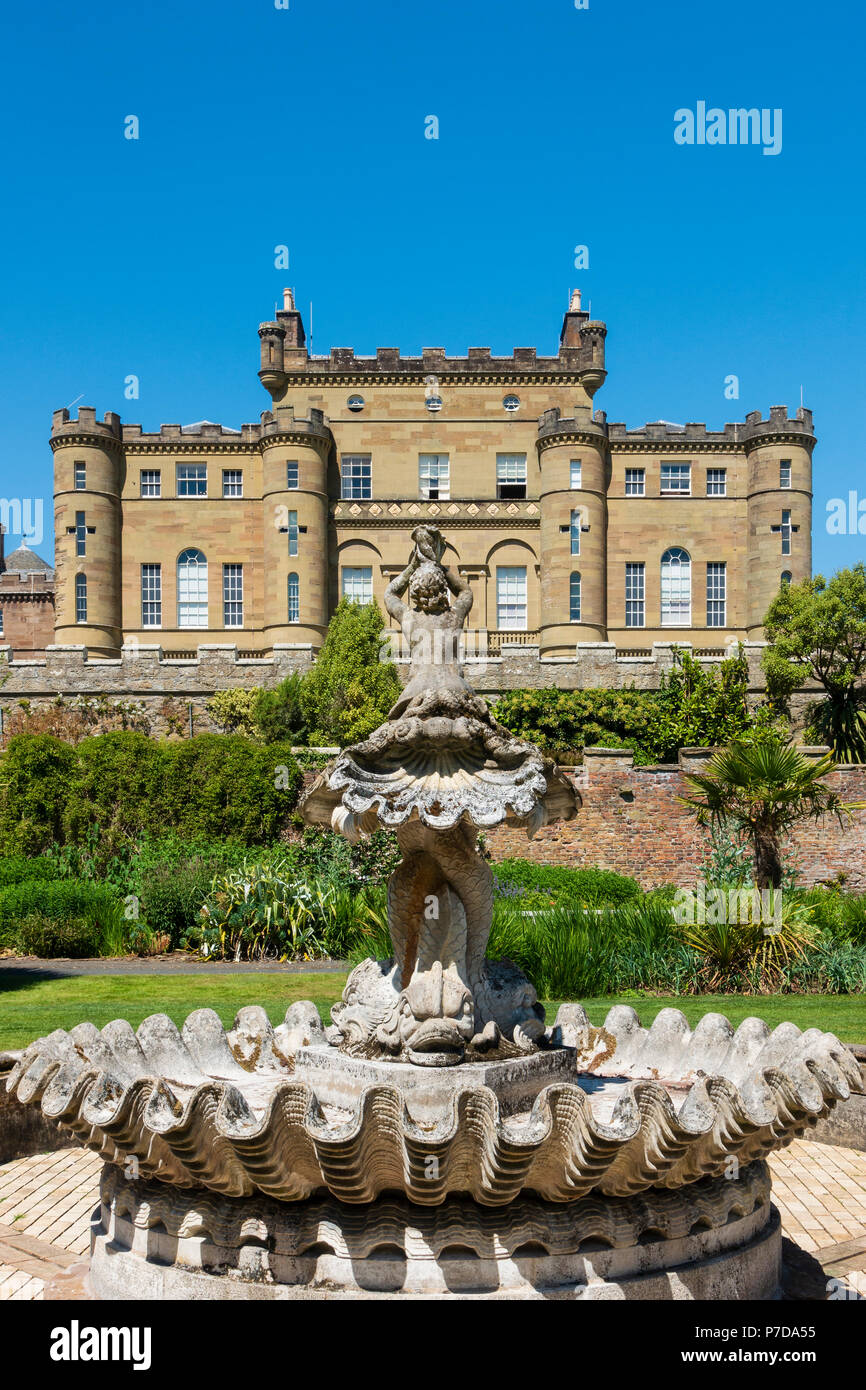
x: 437, y: 1139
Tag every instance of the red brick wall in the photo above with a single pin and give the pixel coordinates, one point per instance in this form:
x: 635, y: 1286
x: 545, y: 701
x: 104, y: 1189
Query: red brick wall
x: 631, y: 821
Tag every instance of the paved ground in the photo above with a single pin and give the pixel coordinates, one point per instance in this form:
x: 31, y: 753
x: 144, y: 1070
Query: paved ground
x: 178, y: 963
x: 46, y: 1202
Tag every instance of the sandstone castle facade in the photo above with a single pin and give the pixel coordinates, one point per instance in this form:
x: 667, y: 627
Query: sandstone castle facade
x: 570, y: 529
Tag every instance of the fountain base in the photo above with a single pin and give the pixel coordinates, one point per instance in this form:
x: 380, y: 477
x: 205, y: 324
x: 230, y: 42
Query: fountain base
x: 717, y: 1238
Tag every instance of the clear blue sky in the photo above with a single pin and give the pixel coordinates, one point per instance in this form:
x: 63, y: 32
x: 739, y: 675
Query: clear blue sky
x: 305, y: 126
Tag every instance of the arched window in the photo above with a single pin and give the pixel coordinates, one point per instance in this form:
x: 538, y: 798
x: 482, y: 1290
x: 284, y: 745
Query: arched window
x: 294, y: 599
x: 81, y: 598
x: 574, y: 597
x: 676, y: 588
x: 786, y: 576
x: 191, y: 589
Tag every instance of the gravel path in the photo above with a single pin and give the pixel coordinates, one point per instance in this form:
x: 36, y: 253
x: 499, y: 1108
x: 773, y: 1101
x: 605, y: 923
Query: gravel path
x: 175, y: 964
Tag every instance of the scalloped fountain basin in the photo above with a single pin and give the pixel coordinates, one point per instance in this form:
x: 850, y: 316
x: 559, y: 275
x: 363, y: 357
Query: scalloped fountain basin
x: 614, y: 1110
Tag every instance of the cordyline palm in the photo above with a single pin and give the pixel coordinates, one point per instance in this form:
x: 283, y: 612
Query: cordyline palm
x: 762, y: 789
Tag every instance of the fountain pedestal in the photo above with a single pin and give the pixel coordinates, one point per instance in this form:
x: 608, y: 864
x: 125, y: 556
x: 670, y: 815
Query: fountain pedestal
x: 719, y: 1239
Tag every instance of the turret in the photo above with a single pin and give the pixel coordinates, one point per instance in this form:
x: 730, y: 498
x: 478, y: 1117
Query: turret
x: 295, y: 456
x: 283, y: 346
x: 575, y: 470
x: 779, y: 458
x: 89, y: 472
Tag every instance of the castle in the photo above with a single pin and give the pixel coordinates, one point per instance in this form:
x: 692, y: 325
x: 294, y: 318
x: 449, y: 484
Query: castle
x: 570, y: 529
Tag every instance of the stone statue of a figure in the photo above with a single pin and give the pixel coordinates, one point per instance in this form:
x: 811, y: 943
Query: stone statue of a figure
x: 438, y: 769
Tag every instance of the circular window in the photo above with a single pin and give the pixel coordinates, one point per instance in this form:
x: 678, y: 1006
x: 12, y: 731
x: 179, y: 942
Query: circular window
x: 355, y: 402
x: 511, y: 402
x: 434, y: 403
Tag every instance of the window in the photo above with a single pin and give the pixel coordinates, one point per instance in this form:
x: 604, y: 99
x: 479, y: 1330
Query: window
x: 81, y: 598
x: 717, y: 482
x: 511, y: 403
x: 434, y: 476
x: 634, y: 593
x: 784, y: 473
x: 677, y: 477
x: 511, y: 597
x: 510, y: 475
x: 151, y: 482
x: 294, y: 599
x: 1, y: 622
x: 635, y: 482
x: 233, y: 595
x: 786, y: 533
x: 717, y: 585
x: 192, y: 479
x: 233, y: 482
x: 292, y: 474
x: 191, y: 589
x: 574, y: 597
x: 575, y: 470
x: 355, y: 403
x: 676, y: 588
x: 357, y: 476
x: 575, y: 530
x: 292, y: 529
x: 80, y: 534
x: 358, y: 583
x: 151, y: 596
x: 786, y: 577
x: 80, y: 480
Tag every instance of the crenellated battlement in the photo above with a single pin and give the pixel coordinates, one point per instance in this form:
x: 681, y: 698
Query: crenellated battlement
x: 754, y: 429
x: 66, y: 429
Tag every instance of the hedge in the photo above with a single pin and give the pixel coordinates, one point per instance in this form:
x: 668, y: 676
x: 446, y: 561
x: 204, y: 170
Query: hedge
x: 123, y: 784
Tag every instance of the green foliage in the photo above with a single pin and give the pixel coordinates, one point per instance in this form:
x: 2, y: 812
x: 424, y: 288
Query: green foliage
x: 818, y: 629
x: 705, y: 707
x: 761, y: 791
x: 35, y: 772
x: 222, y: 786
x: 95, y: 800
x: 278, y: 714
x: 235, y: 711
x: 587, y: 887
x: 72, y: 937
x: 695, y: 706
x: 18, y: 869
x: 350, y: 688
x: 262, y: 911
x: 563, y: 722
x: 61, y: 907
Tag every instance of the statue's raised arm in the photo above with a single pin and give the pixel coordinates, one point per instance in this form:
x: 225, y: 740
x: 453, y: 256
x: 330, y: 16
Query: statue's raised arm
x: 462, y: 594
x: 397, y: 587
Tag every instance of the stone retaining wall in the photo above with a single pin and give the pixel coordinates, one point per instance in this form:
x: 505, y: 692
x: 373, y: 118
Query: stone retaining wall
x: 632, y: 821
x: 166, y: 686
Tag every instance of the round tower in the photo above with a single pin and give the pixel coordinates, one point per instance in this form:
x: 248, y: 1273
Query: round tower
x: 295, y: 522
x: 89, y: 469
x: 779, y: 459
x: 574, y: 463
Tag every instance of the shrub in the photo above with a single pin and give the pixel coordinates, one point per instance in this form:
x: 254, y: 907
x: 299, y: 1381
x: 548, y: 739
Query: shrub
x: 222, y: 786
x: 35, y: 773
x: 62, y: 902
x: 40, y: 935
x: 18, y: 869
x: 235, y: 711
x: 350, y: 688
x: 116, y: 786
x: 590, y: 887
x: 278, y: 714
x: 262, y: 911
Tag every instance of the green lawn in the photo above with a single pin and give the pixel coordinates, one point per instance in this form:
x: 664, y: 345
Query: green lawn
x: 29, y: 1009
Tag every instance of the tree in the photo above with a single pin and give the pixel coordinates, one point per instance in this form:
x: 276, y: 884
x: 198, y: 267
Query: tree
x: 350, y: 689
x: 817, y: 630
x: 705, y: 707
x: 762, y: 790
x: 277, y: 713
